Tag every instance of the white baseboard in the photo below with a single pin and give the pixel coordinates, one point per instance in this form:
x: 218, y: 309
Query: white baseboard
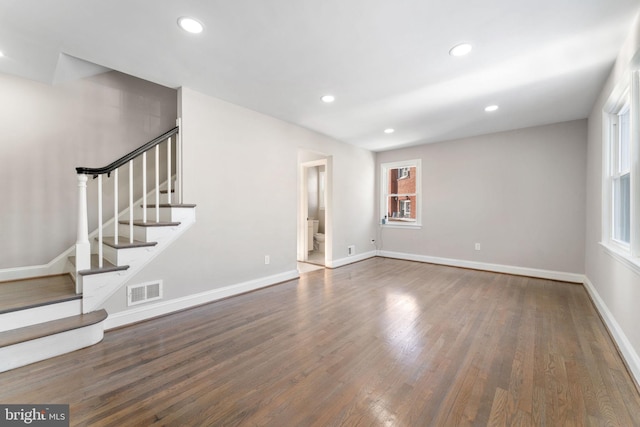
x: 141, y: 313
x: 350, y: 259
x: 498, y: 268
x: 627, y: 351
x: 56, y: 266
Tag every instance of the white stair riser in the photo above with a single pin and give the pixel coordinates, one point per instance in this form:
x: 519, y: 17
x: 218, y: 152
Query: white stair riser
x: 171, y: 214
x: 28, y: 352
x: 126, y: 256
x: 44, y: 313
x: 146, y: 234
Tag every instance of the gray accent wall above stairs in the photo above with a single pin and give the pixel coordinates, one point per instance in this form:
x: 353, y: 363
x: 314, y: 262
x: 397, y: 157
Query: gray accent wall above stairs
x: 45, y: 132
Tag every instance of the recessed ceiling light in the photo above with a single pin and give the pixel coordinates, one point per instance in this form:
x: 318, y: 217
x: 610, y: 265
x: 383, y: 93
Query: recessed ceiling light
x: 328, y: 99
x: 389, y: 130
x: 490, y: 108
x: 1, y: 54
x: 460, y: 49
x: 190, y: 25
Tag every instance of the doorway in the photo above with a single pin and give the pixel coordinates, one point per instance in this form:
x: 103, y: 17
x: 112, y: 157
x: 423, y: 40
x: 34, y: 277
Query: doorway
x: 314, y: 210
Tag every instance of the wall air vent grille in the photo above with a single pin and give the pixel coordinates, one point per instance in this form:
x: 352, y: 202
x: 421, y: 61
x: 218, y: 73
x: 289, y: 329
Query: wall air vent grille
x: 144, y: 292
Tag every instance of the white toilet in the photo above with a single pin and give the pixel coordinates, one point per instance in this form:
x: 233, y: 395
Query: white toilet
x: 318, y: 242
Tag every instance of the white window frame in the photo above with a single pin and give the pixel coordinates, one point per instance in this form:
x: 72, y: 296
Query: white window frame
x: 628, y: 254
x: 384, y: 192
x: 615, y: 171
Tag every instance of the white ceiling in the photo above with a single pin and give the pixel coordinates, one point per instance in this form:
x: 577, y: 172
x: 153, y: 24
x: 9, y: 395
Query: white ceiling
x: 386, y: 62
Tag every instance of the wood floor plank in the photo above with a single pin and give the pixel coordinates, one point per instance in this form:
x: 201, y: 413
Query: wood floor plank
x: 379, y: 342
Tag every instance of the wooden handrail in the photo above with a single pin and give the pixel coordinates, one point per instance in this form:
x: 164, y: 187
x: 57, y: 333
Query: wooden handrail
x: 127, y: 157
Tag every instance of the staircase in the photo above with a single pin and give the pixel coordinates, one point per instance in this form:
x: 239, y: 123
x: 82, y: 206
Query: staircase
x: 126, y: 257
x: 48, y: 316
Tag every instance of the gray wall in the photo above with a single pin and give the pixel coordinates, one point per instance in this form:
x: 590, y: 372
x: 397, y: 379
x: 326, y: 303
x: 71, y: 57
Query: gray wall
x: 241, y: 169
x: 45, y: 132
x: 617, y: 284
x: 520, y: 194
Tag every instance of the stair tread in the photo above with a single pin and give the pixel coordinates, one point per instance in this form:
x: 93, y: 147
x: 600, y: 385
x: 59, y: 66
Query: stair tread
x: 36, y: 291
x: 123, y: 243
x: 41, y: 330
x: 94, y: 261
x: 172, y: 205
x: 95, y: 269
x: 104, y: 269
x: 141, y: 223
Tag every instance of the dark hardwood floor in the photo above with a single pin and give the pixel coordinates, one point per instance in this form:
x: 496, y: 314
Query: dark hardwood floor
x: 378, y: 343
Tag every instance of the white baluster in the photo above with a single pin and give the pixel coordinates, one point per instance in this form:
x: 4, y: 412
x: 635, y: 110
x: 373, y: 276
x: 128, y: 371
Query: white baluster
x: 83, y: 247
x: 169, y: 170
x: 115, y: 206
x: 130, y: 201
x: 144, y: 187
x: 100, y: 221
x: 157, y: 183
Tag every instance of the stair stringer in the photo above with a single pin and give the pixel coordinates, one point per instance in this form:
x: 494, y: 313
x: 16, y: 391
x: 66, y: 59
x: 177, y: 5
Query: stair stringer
x: 97, y: 288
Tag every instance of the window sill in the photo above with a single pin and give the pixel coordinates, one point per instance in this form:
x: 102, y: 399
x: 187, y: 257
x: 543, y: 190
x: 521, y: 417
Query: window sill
x: 623, y: 257
x: 407, y: 226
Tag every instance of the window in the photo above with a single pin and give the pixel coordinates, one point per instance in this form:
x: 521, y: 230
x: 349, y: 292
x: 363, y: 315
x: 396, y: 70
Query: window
x: 400, y: 197
x: 621, y: 176
x: 621, y: 173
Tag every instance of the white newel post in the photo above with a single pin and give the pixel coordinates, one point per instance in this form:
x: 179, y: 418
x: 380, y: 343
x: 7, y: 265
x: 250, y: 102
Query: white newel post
x: 83, y: 247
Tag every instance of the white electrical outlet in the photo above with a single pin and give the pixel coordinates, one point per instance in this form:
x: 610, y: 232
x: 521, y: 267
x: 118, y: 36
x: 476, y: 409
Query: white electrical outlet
x: 477, y: 246
x: 351, y: 250
x: 267, y: 259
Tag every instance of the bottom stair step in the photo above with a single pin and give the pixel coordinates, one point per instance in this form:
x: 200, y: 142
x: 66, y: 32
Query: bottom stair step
x: 31, y: 344
x: 40, y: 330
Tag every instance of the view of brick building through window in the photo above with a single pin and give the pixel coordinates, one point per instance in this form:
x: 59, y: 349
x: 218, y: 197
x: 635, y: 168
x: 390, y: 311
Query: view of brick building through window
x: 401, y: 201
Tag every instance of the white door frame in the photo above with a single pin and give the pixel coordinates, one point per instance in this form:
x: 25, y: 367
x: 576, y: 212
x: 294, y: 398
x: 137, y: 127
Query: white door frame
x: 303, y: 208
